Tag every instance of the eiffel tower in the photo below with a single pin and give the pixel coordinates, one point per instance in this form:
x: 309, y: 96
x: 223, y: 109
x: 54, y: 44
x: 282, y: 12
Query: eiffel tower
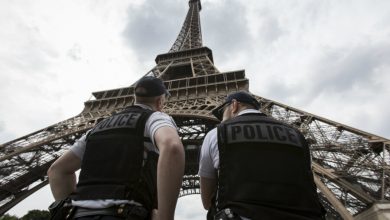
x: 351, y: 167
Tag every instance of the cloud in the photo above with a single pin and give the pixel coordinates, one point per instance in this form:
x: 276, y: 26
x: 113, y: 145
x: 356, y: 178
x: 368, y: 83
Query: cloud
x: 153, y: 26
x: 75, y: 52
x: 26, y: 60
x: 51, y: 62
x: 43, y: 195
x: 2, y: 129
x: 342, y: 70
x: 190, y: 208
x: 226, y: 32
x: 383, y: 125
x: 344, y: 84
x: 355, y: 67
x: 25, y: 49
x: 329, y: 58
x: 320, y: 57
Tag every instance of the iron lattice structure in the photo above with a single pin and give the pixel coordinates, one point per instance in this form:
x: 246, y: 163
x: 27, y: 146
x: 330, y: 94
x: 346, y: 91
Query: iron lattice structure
x: 351, y: 167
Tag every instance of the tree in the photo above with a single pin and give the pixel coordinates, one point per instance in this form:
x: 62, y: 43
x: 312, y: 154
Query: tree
x: 8, y: 217
x: 36, y: 215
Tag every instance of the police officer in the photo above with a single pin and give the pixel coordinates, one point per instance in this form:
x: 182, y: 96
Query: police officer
x: 255, y: 167
x: 130, y: 162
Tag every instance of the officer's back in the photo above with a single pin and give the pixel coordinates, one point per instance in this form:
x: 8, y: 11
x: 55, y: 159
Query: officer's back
x: 264, y: 169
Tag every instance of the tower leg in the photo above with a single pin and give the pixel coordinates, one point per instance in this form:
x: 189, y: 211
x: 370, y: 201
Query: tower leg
x: 378, y: 211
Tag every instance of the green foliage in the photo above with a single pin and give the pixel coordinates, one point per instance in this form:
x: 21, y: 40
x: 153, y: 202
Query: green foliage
x: 8, y: 217
x: 37, y: 215
x: 31, y: 215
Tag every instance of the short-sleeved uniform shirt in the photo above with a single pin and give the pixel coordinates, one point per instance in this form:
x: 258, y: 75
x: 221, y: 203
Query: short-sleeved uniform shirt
x: 155, y: 121
x: 209, y: 154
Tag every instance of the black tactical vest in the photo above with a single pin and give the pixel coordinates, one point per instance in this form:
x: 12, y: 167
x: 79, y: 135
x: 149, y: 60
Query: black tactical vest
x: 265, y: 170
x: 116, y: 164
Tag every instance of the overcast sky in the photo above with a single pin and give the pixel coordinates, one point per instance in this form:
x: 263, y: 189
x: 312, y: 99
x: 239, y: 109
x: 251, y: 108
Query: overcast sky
x: 327, y: 57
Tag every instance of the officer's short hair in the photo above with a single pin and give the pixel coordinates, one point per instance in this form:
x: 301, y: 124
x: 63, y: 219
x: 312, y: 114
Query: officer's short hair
x: 242, y: 97
x: 150, y: 86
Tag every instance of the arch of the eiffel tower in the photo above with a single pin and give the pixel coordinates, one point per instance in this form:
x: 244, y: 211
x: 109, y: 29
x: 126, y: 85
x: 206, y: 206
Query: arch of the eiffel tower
x: 351, y: 167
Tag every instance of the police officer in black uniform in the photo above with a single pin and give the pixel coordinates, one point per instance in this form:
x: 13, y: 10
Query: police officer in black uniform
x: 255, y: 167
x: 130, y: 162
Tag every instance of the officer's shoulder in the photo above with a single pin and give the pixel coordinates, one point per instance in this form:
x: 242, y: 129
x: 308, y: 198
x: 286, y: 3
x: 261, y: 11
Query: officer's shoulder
x: 160, y: 116
x: 286, y: 125
x: 211, y: 133
x: 267, y: 118
x: 213, y: 130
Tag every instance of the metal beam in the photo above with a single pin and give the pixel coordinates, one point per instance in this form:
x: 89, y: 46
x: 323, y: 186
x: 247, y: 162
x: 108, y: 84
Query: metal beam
x: 340, y: 208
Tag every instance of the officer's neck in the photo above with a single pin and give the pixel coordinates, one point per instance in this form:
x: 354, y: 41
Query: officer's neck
x: 147, y: 106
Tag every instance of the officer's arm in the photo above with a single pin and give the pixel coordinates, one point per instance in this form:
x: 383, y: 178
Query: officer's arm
x: 170, y: 170
x: 207, y: 190
x: 62, y: 177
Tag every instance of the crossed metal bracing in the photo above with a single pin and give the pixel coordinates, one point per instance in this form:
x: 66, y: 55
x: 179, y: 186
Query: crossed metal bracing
x: 190, y: 35
x: 353, y: 165
x: 197, y: 65
x: 192, y: 131
x: 24, y: 161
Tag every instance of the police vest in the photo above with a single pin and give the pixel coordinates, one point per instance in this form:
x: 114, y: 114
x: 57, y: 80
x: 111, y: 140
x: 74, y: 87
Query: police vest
x: 265, y: 170
x: 114, y: 165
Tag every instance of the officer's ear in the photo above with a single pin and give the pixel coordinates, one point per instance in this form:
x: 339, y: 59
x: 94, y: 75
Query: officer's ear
x: 160, y: 102
x: 235, y: 106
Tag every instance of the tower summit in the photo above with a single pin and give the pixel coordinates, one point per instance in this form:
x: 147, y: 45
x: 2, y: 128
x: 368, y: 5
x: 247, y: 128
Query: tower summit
x: 350, y: 165
x: 190, y: 36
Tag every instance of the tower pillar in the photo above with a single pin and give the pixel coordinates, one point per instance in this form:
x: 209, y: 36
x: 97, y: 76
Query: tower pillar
x: 378, y: 211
